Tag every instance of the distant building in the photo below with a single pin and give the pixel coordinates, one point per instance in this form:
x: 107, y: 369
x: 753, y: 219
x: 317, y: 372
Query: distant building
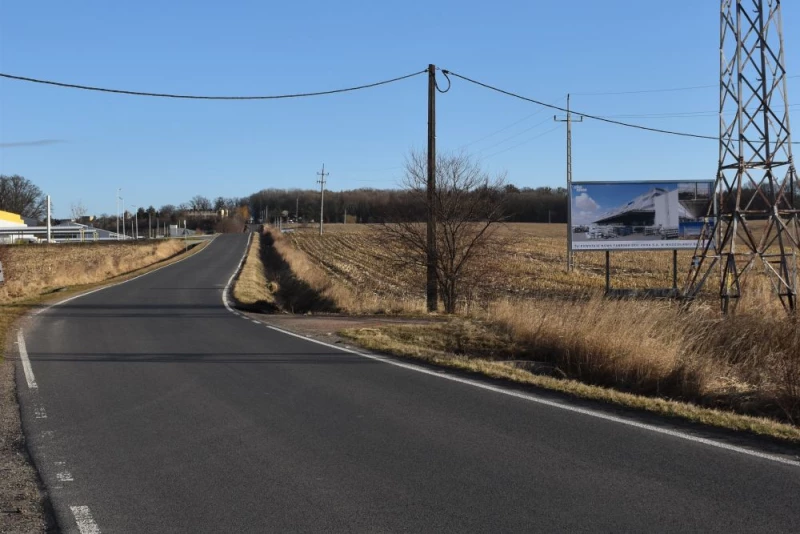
x: 11, y: 220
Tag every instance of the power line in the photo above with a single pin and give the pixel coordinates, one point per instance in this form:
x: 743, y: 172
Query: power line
x: 641, y: 91
x: 509, y: 138
x: 504, y: 128
x: 200, y: 97
x: 588, y: 116
x: 522, y: 143
x: 667, y: 90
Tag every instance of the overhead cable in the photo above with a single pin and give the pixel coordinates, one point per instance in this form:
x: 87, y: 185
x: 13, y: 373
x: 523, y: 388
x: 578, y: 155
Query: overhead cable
x: 201, y: 97
x: 664, y: 90
x: 588, y: 116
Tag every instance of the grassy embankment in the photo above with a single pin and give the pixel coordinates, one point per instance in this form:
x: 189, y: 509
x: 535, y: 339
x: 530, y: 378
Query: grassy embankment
x: 36, y: 274
x: 534, y: 323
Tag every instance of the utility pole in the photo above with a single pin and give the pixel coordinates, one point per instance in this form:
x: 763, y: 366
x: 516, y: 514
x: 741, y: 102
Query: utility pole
x: 569, y: 121
x: 432, y: 293
x: 134, y: 229
x: 321, y: 182
x: 297, y: 209
x: 150, y: 225
x: 119, y: 190
x: 48, y: 221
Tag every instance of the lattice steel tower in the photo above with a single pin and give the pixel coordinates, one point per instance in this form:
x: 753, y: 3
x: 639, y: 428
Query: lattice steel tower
x: 756, y: 222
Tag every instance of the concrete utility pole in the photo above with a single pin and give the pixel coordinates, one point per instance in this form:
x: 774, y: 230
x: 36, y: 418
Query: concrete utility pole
x: 432, y: 288
x: 134, y: 230
x: 321, y: 183
x: 119, y: 192
x: 569, y: 122
x: 48, y: 220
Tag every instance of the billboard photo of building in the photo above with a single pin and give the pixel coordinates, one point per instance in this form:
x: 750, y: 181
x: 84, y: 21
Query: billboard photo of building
x: 638, y: 215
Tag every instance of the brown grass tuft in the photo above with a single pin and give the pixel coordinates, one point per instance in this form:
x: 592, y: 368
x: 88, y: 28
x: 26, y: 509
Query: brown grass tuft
x: 251, y: 288
x: 34, y: 269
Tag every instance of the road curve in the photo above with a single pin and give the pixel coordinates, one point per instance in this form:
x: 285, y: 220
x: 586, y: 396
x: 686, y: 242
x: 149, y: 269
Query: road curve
x: 156, y: 409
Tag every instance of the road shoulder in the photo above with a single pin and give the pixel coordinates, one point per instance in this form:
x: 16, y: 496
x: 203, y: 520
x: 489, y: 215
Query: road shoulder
x: 325, y: 328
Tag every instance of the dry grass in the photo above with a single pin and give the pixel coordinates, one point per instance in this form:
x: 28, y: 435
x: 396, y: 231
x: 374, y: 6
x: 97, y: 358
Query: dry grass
x: 34, y: 269
x: 251, y: 288
x: 315, y: 277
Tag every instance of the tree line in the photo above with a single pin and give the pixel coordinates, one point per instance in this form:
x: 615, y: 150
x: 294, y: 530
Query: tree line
x: 368, y: 205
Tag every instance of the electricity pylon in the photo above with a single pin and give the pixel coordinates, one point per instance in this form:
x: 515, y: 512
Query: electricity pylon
x: 755, y: 218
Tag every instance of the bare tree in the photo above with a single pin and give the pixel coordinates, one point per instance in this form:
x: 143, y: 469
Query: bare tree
x: 20, y: 195
x: 469, y: 209
x: 77, y: 210
x: 200, y: 203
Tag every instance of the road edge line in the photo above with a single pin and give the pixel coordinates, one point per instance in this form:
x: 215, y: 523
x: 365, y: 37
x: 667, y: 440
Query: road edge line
x: 520, y: 395
x: 26, y: 363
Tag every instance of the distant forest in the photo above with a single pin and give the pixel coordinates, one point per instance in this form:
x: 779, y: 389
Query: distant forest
x: 542, y: 204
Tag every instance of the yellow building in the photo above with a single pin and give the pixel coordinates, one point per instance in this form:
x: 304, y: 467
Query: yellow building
x: 11, y: 220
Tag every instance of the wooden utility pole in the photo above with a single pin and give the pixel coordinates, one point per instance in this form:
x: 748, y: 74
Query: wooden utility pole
x: 432, y: 292
x: 569, y: 121
x: 321, y: 182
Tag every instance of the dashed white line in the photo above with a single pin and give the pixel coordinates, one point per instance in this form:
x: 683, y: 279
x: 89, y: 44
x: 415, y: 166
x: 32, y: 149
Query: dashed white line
x: 84, y: 519
x: 26, y: 363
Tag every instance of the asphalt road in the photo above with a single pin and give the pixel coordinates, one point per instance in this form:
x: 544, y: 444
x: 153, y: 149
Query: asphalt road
x: 158, y: 410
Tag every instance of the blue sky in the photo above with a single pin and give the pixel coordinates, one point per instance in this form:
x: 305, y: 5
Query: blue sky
x: 166, y: 151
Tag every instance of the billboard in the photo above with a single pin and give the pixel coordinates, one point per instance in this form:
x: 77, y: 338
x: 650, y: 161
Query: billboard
x: 638, y: 215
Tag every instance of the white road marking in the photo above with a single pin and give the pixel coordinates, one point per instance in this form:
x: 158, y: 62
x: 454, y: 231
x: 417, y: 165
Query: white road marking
x: 39, y: 412
x: 554, y: 404
x: 230, y: 280
x: 524, y: 396
x: 256, y: 322
x: 84, y: 519
x: 26, y: 363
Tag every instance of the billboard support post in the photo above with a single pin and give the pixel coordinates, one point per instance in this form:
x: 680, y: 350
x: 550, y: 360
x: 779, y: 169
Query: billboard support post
x: 608, y: 271
x: 675, y: 270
